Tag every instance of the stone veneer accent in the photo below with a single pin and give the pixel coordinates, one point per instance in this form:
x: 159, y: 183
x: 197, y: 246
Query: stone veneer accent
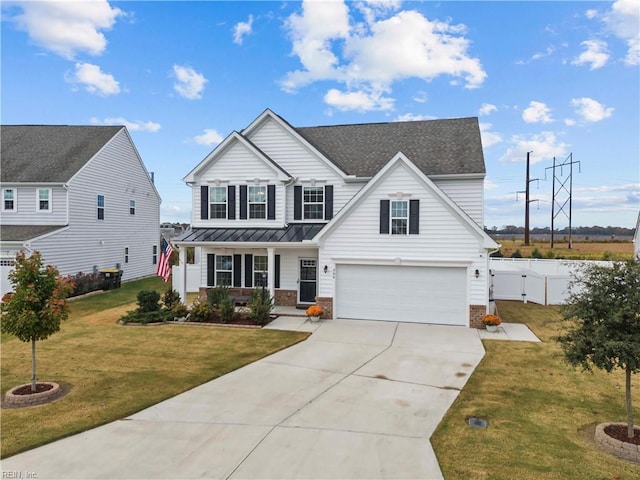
x: 624, y: 450
x: 12, y: 400
x: 327, y: 304
x: 476, y: 312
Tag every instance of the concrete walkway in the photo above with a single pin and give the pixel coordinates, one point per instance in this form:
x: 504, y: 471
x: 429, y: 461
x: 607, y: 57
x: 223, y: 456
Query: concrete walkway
x: 357, y: 400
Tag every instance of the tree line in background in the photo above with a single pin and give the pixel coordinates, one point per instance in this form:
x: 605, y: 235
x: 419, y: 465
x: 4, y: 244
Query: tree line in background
x: 595, y: 231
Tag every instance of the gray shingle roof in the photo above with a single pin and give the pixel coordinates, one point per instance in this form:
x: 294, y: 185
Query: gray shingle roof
x: 291, y: 233
x: 49, y: 153
x: 437, y: 147
x: 20, y: 233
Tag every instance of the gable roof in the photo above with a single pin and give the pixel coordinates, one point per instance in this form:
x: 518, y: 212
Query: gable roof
x: 20, y: 233
x: 401, y: 159
x: 49, y: 153
x: 436, y: 147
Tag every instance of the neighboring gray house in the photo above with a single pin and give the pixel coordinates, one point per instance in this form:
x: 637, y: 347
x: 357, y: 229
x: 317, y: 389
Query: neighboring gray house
x: 80, y: 195
x: 373, y: 221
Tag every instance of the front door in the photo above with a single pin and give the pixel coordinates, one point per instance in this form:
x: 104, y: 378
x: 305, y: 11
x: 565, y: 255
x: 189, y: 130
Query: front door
x: 308, y: 288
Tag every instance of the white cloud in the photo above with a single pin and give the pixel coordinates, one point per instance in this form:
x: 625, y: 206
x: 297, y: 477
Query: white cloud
x: 486, y: 109
x: 94, y: 79
x: 209, y: 138
x: 590, y: 14
x: 544, y: 146
x: 569, y: 122
x: 242, y: 29
x: 412, y: 117
x: 537, y: 112
x: 489, y: 138
x: 623, y: 20
x: 591, y: 110
x: 67, y: 28
x: 189, y: 83
x: 370, y: 56
x: 361, y: 101
x: 595, y: 54
x: 420, y: 97
x: 133, y: 126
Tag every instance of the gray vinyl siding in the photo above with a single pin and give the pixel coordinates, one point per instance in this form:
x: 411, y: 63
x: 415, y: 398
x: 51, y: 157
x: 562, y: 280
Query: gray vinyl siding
x: 27, y: 212
x: 117, y: 173
x: 443, y: 237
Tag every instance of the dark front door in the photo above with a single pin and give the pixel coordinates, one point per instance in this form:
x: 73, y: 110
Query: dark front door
x: 308, y: 280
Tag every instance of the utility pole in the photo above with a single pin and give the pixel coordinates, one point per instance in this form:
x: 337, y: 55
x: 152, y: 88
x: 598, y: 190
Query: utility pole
x: 527, y: 201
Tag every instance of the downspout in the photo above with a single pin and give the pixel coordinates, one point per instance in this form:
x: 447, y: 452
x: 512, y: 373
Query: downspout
x: 66, y: 187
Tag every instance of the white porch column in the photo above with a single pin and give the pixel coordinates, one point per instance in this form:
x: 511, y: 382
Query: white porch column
x: 183, y: 266
x: 271, y: 271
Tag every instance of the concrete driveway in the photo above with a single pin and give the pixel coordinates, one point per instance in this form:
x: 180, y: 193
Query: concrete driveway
x: 358, y: 399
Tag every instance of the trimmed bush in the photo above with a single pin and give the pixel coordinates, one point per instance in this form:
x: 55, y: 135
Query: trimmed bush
x: 148, y: 301
x: 217, y: 295
x: 170, y: 299
x: 224, y: 309
x: 260, y: 307
x: 85, y: 283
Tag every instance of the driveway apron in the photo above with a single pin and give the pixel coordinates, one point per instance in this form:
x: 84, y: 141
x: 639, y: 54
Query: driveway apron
x: 358, y: 399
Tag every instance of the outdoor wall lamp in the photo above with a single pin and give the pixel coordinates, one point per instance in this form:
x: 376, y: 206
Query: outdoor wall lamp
x: 477, y: 273
x: 325, y: 269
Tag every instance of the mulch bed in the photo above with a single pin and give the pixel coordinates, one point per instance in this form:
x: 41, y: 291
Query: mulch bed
x: 619, y: 432
x: 26, y: 390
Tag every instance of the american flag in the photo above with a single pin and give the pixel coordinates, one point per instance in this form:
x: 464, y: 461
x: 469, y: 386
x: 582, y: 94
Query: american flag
x: 164, y: 269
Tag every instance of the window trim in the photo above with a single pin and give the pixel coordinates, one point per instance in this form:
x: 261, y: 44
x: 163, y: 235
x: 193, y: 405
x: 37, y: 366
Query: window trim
x: 212, y: 203
x: 217, y: 270
x: 263, y: 202
x: 14, y: 199
x: 132, y: 207
x: 258, y: 283
x: 393, y: 217
x: 100, y: 208
x: 49, y: 200
x: 321, y: 190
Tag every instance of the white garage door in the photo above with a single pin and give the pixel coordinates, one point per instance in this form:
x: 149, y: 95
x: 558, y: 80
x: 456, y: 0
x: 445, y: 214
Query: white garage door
x: 405, y: 294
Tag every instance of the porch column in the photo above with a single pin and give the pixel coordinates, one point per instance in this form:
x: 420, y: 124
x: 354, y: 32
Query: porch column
x: 183, y: 271
x: 271, y: 271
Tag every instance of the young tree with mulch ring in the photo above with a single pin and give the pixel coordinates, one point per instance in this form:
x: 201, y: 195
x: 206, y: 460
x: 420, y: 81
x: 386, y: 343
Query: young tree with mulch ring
x: 37, y: 305
x: 604, y: 322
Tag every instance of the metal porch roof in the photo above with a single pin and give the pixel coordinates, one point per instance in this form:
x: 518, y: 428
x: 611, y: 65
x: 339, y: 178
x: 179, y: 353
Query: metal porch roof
x: 296, y: 232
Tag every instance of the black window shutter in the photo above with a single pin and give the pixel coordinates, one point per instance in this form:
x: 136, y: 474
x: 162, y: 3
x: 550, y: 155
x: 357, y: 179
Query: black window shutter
x: 211, y: 269
x: 243, y: 202
x: 231, y: 202
x: 271, y: 202
x: 414, y: 217
x: 297, y: 202
x: 237, y: 270
x: 248, y: 270
x: 328, y: 202
x: 384, y: 216
x: 276, y: 272
x: 204, y: 202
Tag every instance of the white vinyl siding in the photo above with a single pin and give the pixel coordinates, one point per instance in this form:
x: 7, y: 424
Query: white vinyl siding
x: 26, y: 201
x: 443, y: 236
x: 117, y: 173
x: 467, y: 193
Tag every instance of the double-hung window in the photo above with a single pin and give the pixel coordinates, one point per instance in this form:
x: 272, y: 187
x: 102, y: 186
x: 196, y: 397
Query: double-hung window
x: 100, y: 206
x: 154, y: 255
x: 260, y: 270
x: 399, y: 217
x: 217, y: 202
x: 257, y: 199
x: 132, y: 207
x: 224, y: 269
x: 9, y: 200
x: 126, y: 254
x: 44, y: 199
x: 313, y: 203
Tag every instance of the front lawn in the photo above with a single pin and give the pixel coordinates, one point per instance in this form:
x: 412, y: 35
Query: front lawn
x: 112, y: 371
x: 541, y: 412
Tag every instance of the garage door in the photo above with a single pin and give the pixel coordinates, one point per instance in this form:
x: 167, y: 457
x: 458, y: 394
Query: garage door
x: 406, y: 294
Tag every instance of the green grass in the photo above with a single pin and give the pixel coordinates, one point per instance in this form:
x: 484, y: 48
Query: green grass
x: 542, y: 413
x: 112, y: 371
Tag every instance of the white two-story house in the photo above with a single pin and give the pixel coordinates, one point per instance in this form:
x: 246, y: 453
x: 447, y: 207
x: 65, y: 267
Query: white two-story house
x: 81, y: 196
x: 374, y: 221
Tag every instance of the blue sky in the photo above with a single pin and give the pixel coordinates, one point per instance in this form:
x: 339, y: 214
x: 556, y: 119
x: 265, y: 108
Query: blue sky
x: 553, y: 78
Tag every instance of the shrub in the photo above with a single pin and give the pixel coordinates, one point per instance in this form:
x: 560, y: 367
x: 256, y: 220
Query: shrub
x: 85, y: 283
x: 535, y: 253
x: 179, y: 310
x: 200, y: 311
x: 224, y: 309
x: 148, y: 301
x: 217, y: 295
x: 516, y: 254
x: 550, y: 254
x: 260, y: 306
x: 157, y: 316
x: 170, y: 299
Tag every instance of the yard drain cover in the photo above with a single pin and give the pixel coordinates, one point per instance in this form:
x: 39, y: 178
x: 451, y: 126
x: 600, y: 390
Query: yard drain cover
x: 477, y: 422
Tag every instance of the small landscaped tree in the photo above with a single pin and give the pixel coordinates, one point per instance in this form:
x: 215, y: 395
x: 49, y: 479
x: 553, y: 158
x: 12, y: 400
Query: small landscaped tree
x: 37, y: 305
x: 603, y: 311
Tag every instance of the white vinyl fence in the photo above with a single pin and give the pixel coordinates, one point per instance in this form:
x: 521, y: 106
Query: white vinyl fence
x: 545, y: 282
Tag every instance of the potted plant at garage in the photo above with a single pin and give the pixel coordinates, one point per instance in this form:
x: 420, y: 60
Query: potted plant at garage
x: 314, y: 312
x: 491, y: 322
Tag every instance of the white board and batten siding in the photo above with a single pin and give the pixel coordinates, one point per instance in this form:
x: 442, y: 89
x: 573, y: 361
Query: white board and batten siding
x: 116, y: 172
x: 445, y: 240
x: 238, y: 165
